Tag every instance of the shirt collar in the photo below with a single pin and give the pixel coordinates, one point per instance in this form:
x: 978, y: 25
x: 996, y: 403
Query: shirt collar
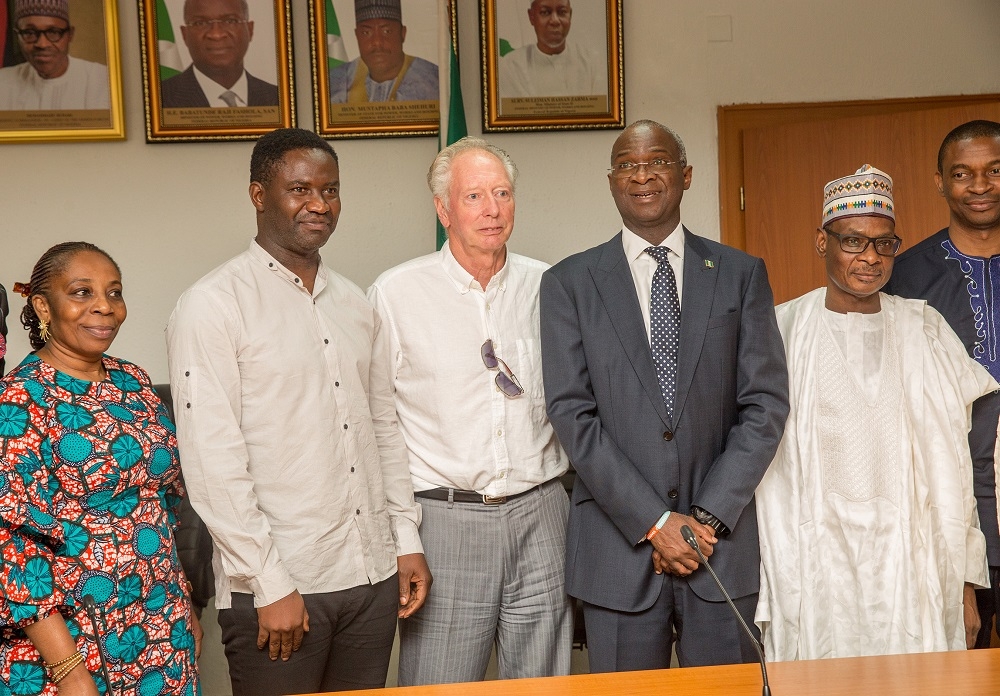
x: 213, y: 89
x: 463, y: 280
x: 272, y: 264
x: 635, y: 246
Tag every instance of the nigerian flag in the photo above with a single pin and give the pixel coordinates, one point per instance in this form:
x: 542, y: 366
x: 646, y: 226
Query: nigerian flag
x: 452, y: 109
x: 335, y: 52
x: 170, y: 58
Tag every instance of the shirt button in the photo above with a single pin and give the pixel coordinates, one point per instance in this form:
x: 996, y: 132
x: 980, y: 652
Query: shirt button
x: 187, y: 405
x: 336, y: 384
x: 672, y: 493
x: 297, y: 280
x: 352, y: 469
x: 326, y: 341
x: 345, y: 426
x: 358, y: 511
x: 499, y: 433
x: 269, y: 265
x: 187, y: 374
x: 668, y: 436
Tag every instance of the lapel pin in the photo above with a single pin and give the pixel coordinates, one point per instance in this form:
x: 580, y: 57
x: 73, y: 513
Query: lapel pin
x: 709, y: 263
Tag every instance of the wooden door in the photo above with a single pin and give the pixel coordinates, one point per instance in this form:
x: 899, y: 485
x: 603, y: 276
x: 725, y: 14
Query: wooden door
x: 786, y: 166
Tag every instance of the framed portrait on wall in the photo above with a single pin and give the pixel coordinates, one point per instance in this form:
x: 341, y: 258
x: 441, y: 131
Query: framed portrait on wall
x: 216, y: 69
x: 375, y: 67
x: 60, y: 71
x: 551, y: 64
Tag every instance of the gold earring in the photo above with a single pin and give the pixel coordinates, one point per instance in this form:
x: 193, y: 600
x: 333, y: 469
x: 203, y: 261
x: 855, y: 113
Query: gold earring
x: 43, y: 330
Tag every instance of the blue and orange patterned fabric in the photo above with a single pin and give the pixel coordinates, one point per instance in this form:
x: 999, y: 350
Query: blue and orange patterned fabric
x: 89, y: 480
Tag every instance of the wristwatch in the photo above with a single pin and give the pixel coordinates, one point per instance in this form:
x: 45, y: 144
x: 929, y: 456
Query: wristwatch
x: 708, y: 519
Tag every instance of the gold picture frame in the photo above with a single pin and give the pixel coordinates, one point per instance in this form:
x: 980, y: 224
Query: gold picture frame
x: 178, y: 106
x: 576, y: 85
x: 90, y: 108
x: 343, y: 104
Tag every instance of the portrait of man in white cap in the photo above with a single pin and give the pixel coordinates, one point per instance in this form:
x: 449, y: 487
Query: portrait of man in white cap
x: 870, y: 541
x: 50, y: 79
x: 382, y: 72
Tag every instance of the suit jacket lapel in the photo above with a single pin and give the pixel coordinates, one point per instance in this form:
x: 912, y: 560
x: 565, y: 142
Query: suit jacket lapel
x: 613, y: 279
x: 700, y: 274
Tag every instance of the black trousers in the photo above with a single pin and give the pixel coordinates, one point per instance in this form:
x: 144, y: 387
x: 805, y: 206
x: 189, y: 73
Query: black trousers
x: 347, y: 647
x: 707, y: 632
x: 988, y: 601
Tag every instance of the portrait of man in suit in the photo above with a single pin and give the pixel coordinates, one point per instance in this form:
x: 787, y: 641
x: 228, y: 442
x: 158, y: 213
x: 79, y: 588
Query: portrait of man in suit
x: 217, y: 34
x: 665, y: 380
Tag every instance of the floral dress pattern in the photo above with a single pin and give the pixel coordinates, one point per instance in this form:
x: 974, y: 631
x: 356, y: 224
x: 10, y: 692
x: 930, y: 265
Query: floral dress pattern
x: 88, y: 486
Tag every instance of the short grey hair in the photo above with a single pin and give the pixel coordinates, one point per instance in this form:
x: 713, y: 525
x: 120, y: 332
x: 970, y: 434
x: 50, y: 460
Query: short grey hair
x: 243, y: 4
x: 439, y: 175
x: 681, y: 150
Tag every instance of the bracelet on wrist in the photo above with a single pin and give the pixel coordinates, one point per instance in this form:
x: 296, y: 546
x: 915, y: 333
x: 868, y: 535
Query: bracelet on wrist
x: 61, y: 669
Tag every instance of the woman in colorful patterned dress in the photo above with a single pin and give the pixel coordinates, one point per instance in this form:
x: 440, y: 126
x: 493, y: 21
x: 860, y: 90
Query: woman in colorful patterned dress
x: 92, y: 596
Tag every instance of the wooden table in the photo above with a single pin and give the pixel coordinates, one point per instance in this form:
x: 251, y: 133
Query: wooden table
x: 963, y: 673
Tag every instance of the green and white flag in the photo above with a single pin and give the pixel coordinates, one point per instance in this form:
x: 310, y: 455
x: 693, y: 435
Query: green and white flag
x: 166, y: 45
x: 452, y: 108
x: 335, y: 52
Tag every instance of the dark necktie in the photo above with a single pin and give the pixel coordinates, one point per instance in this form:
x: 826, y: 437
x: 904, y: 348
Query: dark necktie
x: 664, y: 325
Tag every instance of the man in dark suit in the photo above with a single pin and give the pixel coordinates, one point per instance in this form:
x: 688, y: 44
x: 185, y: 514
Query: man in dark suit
x: 217, y: 34
x: 670, y: 417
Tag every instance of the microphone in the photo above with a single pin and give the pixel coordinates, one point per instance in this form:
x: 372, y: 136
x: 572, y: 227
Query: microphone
x: 88, y: 602
x: 693, y: 543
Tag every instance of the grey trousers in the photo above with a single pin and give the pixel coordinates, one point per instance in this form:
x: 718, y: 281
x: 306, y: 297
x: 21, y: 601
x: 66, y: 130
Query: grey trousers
x: 707, y: 632
x: 347, y: 647
x: 499, y: 578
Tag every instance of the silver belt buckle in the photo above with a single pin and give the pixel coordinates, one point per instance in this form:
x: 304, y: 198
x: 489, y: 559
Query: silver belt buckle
x: 494, y: 499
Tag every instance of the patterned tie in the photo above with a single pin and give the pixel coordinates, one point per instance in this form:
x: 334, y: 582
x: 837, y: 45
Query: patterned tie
x: 229, y: 97
x: 664, y: 325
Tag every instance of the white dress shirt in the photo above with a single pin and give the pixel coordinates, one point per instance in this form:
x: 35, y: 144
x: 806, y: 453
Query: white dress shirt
x: 643, y: 266
x: 288, y: 436
x: 214, y: 91
x: 460, y: 430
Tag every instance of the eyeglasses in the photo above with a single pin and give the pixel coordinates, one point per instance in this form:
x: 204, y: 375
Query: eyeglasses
x: 657, y: 166
x: 856, y: 243
x: 31, y: 36
x: 228, y: 24
x: 505, y: 379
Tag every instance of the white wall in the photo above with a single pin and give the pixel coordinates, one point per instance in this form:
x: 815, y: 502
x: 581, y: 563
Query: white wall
x: 170, y: 212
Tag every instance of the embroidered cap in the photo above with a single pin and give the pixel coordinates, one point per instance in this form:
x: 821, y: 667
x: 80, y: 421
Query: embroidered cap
x: 866, y: 192
x: 377, y: 9
x: 41, y: 8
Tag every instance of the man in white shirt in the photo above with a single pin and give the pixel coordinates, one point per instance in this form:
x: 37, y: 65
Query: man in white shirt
x: 290, y: 446
x: 553, y: 66
x: 466, y: 368
x: 217, y: 33
x: 50, y: 80
x: 870, y: 541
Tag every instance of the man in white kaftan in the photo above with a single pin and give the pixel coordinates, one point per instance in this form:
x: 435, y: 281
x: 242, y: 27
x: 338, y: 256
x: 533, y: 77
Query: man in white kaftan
x: 870, y: 541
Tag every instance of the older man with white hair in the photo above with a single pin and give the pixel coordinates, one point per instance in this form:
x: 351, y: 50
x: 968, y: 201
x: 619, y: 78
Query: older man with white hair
x: 485, y: 463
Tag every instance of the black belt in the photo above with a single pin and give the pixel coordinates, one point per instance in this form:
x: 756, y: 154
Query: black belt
x: 469, y: 496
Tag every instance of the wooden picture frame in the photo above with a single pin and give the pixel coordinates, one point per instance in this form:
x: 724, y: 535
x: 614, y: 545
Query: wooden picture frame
x: 525, y: 88
x: 87, y: 104
x: 346, y: 105
x: 183, y: 103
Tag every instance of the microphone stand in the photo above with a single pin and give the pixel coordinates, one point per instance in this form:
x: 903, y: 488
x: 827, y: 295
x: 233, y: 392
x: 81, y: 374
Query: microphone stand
x: 693, y: 543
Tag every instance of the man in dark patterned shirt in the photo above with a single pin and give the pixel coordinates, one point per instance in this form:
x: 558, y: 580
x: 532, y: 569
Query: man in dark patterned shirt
x: 957, y: 271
